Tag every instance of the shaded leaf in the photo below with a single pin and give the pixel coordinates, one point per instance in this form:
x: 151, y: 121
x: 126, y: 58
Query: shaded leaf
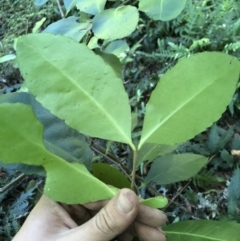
x: 117, y: 47
x: 69, y: 4
x: 91, y: 6
x: 202, y: 230
x: 112, y: 61
x: 40, y: 2
x: 27, y: 169
x: 213, y: 138
x: 155, y: 202
x: 65, y: 181
x: 183, y: 97
x: 90, y: 87
x: 115, y: 23
x: 69, y: 27
x: 150, y: 151
x: 59, y: 138
x: 164, y: 10
x: 174, y: 168
x: 110, y: 175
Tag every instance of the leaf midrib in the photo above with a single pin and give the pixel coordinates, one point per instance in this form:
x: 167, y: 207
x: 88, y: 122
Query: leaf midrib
x: 194, y: 235
x: 127, y: 139
x: 172, y: 114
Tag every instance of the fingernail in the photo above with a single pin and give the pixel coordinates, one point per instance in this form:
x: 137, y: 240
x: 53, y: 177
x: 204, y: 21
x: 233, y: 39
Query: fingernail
x: 124, y: 205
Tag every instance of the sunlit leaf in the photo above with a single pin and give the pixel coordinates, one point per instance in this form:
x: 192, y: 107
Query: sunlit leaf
x: 115, y: 23
x: 155, y: 202
x: 190, y: 97
x: 164, y: 10
x: 203, y: 230
x: 173, y: 168
x: 7, y: 58
x: 95, y: 102
x: 150, y: 151
x: 69, y: 27
x: 91, y: 6
x: 65, y: 181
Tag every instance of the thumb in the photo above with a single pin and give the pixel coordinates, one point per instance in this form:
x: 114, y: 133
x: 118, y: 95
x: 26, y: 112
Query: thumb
x: 113, y: 219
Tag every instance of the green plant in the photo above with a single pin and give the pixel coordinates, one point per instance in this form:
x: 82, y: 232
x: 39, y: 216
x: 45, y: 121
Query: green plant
x: 15, y: 205
x: 87, y: 89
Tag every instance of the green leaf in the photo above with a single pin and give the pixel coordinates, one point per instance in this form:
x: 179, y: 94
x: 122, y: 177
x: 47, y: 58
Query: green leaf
x: 91, y: 6
x: 40, y: 2
x: 164, y: 10
x: 110, y: 175
x: 202, y: 230
x: 7, y: 58
x: 174, y: 168
x: 69, y: 27
x: 184, y: 102
x: 117, y: 47
x: 65, y: 181
x: 155, y: 202
x: 69, y: 4
x: 150, y: 151
x: 112, y: 61
x: 59, y: 138
x: 115, y: 23
x: 95, y: 102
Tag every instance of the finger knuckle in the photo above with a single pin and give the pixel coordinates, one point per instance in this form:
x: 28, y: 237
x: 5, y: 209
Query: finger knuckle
x: 105, y: 222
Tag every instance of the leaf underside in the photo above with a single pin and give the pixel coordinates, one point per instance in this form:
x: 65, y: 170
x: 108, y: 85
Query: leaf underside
x: 65, y: 181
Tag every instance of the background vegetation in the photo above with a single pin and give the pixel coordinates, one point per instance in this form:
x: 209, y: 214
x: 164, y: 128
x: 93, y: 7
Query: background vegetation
x: 206, y: 25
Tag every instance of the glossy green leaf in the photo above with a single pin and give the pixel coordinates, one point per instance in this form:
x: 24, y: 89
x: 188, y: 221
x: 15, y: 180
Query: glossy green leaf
x: 95, y: 102
x: 59, y: 138
x: 65, y: 181
x: 91, y: 6
x: 110, y: 175
x: 150, y: 151
x: 184, y: 102
x: 174, y: 168
x: 203, y: 230
x: 115, y: 23
x: 164, y: 10
x: 69, y: 27
x: 155, y: 202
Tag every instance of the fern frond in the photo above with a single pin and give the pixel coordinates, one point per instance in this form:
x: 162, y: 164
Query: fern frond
x: 232, y: 205
x: 234, y: 186
x: 204, y: 179
x: 232, y: 47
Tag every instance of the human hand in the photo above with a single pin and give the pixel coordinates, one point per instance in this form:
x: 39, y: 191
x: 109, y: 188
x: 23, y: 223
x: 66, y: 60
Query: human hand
x: 121, y: 216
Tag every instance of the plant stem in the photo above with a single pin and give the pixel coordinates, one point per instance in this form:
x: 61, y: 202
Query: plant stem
x: 60, y: 9
x: 3, y: 189
x: 135, y: 156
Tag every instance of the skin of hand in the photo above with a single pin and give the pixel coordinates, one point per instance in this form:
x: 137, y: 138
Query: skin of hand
x: 121, y: 217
